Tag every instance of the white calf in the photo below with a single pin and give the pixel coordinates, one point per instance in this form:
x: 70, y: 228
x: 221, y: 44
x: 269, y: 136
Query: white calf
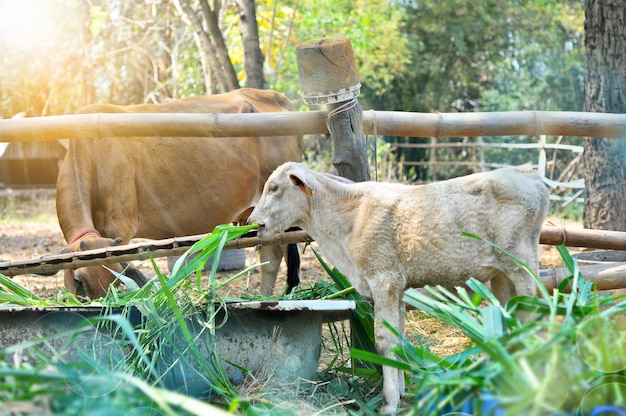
x: 388, y: 237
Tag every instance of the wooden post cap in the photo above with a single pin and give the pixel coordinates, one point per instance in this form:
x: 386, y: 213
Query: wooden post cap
x: 327, y: 71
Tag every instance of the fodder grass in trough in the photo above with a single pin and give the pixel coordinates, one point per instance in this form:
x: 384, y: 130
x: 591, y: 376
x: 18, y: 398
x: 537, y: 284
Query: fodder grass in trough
x: 153, y: 348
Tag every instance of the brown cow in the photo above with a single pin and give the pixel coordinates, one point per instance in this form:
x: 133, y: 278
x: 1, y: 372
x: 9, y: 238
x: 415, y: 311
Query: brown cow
x: 112, y: 189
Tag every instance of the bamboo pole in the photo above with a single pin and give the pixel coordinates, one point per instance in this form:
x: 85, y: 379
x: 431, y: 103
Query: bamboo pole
x: 571, y: 148
x: 501, y: 123
x: 603, y: 276
x: 583, y: 237
x: 550, y: 235
x: 160, y: 125
x: 136, y: 251
x: 312, y: 122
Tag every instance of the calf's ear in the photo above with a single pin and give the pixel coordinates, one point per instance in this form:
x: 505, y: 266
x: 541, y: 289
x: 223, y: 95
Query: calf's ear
x: 300, y: 184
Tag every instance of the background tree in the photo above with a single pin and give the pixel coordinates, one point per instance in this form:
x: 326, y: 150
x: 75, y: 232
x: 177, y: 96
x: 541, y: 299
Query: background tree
x: 219, y: 73
x: 253, y: 57
x: 414, y: 56
x: 36, y: 76
x: 605, y: 91
x: 486, y: 56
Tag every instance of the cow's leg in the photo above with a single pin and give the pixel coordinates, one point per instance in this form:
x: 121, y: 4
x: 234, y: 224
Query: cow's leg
x: 134, y: 273
x: 510, y: 279
x: 71, y: 284
x: 388, y: 306
x: 502, y: 287
x: 272, y: 254
x: 293, y: 267
x: 401, y: 327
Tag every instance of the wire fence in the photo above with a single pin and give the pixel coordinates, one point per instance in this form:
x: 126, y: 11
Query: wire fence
x: 440, y: 158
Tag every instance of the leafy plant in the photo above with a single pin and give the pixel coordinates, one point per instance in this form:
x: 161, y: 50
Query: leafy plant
x: 560, y: 352
x: 171, y: 352
x: 160, y: 346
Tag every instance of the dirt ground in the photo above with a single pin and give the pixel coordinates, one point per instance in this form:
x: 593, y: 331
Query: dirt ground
x: 29, y: 229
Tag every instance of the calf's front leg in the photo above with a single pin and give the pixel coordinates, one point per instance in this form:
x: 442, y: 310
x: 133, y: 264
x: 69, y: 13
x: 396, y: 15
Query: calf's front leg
x: 271, y: 256
x: 388, y: 306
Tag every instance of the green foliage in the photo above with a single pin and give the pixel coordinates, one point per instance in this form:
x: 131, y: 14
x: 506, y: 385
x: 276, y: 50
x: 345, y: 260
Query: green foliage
x: 535, y: 355
x: 484, y: 56
x: 169, y: 362
x: 11, y: 292
x: 172, y: 352
x: 491, y: 56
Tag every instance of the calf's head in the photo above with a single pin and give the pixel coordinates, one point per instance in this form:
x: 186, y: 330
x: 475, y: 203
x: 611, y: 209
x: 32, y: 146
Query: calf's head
x: 94, y: 281
x: 285, y: 201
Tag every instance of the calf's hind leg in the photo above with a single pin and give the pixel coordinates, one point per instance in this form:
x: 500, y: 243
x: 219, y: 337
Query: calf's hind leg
x: 515, y: 283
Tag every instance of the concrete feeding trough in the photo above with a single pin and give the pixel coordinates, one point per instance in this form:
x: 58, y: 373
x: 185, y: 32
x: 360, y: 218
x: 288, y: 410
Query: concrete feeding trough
x: 281, y: 339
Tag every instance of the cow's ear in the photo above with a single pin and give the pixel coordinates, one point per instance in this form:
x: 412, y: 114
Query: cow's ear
x: 300, y: 184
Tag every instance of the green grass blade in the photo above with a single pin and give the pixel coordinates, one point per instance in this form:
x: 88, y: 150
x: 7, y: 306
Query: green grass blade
x: 207, y: 247
x: 167, y: 399
x: 15, y: 293
x: 378, y: 359
x: 493, y: 322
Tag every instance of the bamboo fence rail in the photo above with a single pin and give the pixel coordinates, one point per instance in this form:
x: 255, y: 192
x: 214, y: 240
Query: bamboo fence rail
x: 550, y: 235
x: 603, y: 276
x: 313, y: 122
x: 135, y: 251
x: 554, y: 146
x: 583, y: 237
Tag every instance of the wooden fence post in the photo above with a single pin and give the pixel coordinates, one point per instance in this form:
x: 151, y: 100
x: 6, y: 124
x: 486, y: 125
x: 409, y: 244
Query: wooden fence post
x: 328, y: 75
x: 433, y: 159
x: 542, y: 159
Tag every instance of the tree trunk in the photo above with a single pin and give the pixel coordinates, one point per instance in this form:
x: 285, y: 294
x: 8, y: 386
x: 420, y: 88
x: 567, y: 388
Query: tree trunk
x: 219, y: 74
x: 605, y: 91
x: 212, y: 24
x: 253, y: 57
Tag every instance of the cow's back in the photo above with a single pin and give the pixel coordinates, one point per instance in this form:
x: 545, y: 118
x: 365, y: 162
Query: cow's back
x: 244, y: 100
x: 157, y: 187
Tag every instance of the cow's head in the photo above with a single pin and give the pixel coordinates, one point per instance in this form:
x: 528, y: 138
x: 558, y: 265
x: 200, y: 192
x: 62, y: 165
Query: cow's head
x: 94, y: 281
